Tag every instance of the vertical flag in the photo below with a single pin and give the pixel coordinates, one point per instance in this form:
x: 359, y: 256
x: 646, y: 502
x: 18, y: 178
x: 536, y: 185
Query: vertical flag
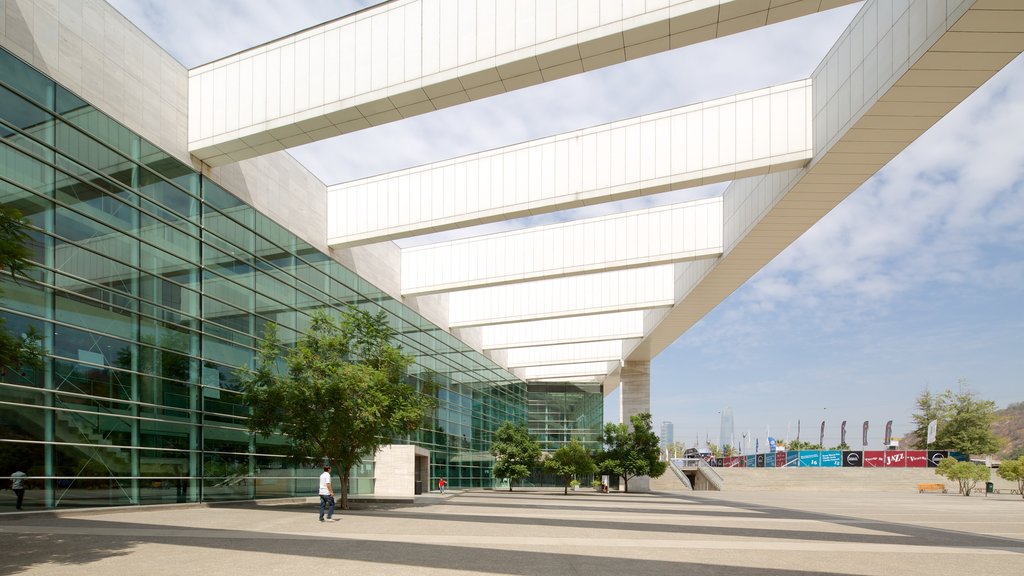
x: 888, y: 432
x: 797, y: 430
x: 865, y: 433
x: 932, y: 427
x: 821, y: 437
x: 842, y: 433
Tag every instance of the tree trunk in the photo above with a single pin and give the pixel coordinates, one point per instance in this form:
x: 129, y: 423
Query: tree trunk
x: 625, y: 483
x: 344, y: 488
x: 510, y: 480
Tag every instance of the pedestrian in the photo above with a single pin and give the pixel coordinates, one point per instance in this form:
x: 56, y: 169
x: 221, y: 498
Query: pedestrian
x: 326, y: 495
x: 18, y: 485
x: 441, y: 484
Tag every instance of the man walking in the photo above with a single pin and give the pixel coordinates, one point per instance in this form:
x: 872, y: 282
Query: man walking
x: 326, y: 495
x: 18, y: 486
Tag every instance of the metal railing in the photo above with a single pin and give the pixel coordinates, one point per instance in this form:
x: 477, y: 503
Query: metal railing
x: 703, y: 467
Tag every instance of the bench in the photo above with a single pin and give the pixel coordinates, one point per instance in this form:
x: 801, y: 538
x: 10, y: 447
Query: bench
x: 922, y: 488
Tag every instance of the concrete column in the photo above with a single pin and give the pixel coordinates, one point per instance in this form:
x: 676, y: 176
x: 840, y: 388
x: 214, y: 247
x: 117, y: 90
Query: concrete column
x: 635, y: 399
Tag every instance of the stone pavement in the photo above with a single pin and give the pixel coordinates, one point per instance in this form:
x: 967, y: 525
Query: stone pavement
x: 536, y: 532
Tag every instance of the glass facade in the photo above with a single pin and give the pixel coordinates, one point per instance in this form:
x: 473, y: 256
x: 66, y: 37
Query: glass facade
x: 150, y: 282
x: 562, y: 411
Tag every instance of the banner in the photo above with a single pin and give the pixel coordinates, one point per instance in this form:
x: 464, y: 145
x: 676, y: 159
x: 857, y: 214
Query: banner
x: 842, y: 433
x: 810, y: 458
x: 932, y: 428
x: 874, y: 458
x: 895, y: 459
x: 936, y: 456
x: 888, y: 432
x: 865, y: 443
x: 821, y: 437
x: 917, y: 459
x: 833, y: 458
x: 772, y: 444
x: 780, y: 459
x: 792, y: 457
x: 797, y: 431
x: 852, y: 458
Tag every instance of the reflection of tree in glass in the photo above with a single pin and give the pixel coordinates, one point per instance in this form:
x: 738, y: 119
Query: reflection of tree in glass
x: 16, y: 351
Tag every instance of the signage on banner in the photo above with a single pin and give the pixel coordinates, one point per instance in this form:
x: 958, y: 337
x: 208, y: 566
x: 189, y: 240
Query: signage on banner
x: 853, y: 458
x: 769, y: 460
x: 917, y: 459
x: 772, y: 445
x: 936, y: 456
x: 760, y: 460
x: 780, y: 459
x: 831, y: 458
x: 895, y: 459
x: 865, y: 433
x: 874, y: 458
x: 751, y: 461
x: 792, y: 458
x: 810, y: 458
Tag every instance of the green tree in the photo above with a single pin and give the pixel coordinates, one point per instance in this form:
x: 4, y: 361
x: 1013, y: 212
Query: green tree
x: 343, y: 395
x: 16, y: 351
x: 964, y: 422
x: 515, y: 452
x: 728, y: 450
x: 676, y: 449
x: 715, y: 450
x: 570, y: 461
x: 631, y: 453
x: 1013, y: 470
x: 967, y: 474
x: 803, y: 445
x: 842, y: 446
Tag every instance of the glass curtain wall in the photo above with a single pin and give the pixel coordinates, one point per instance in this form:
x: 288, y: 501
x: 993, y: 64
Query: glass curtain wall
x: 150, y: 284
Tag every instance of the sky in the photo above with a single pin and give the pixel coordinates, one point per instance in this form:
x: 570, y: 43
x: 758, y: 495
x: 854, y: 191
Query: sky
x: 915, y: 282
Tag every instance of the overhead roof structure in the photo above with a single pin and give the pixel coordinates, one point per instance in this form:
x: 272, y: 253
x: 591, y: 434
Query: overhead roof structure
x: 578, y: 300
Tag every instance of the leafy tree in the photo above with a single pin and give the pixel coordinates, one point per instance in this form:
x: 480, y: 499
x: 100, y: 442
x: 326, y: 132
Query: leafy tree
x: 1013, y: 470
x: 803, y: 445
x: 967, y: 474
x: 343, y: 395
x: 24, y: 350
x: 715, y: 450
x: 515, y: 452
x: 964, y: 422
x: 631, y: 453
x: 842, y: 446
x: 570, y: 461
x: 675, y: 449
x: 728, y: 450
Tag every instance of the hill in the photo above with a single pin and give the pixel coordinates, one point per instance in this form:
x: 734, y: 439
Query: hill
x: 1009, y: 425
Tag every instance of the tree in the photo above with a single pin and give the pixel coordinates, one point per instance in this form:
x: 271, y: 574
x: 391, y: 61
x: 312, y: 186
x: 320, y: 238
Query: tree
x: 570, y: 461
x: 675, y: 449
x: 803, y: 445
x: 967, y: 474
x: 728, y: 450
x: 631, y: 453
x: 964, y: 422
x: 515, y: 452
x: 343, y: 395
x: 842, y: 446
x: 715, y: 450
x: 22, y: 350
x: 1013, y: 470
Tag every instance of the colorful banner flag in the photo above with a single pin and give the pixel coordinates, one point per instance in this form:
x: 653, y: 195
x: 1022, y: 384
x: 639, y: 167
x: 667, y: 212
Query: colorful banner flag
x: 932, y: 428
x: 865, y: 443
x: 821, y: 437
x: 842, y: 433
x: 888, y: 432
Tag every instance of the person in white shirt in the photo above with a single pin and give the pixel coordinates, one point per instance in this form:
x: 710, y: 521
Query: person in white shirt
x: 326, y: 495
x: 18, y: 486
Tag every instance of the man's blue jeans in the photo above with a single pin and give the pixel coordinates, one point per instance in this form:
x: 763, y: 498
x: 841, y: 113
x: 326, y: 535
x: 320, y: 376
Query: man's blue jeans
x: 326, y: 500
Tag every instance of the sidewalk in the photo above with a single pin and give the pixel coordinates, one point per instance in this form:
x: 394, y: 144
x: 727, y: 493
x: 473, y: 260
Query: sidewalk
x: 535, y: 532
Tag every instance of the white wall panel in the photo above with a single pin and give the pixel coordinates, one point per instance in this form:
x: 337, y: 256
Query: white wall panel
x: 574, y: 166
x: 584, y: 352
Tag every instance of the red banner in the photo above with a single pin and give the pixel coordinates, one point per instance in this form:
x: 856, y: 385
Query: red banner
x: 780, y: 459
x: 874, y: 458
x: 895, y: 459
x: 917, y: 459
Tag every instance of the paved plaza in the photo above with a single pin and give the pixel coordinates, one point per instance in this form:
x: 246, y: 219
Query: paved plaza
x: 537, y: 532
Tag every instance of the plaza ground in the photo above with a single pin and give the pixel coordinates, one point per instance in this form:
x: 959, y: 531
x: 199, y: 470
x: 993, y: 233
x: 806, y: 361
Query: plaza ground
x: 536, y: 532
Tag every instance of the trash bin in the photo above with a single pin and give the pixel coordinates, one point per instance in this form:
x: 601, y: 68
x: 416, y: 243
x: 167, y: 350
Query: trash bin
x: 419, y: 487
x: 990, y: 487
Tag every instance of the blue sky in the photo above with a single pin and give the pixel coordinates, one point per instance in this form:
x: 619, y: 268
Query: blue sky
x: 915, y: 281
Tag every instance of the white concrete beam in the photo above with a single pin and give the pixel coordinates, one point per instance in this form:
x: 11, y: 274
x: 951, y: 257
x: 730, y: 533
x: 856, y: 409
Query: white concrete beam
x: 605, y: 351
x: 620, y: 290
x: 582, y: 372
x: 408, y: 57
x: 753, y: 133
x: 592, y: 328
x: 663, y: 235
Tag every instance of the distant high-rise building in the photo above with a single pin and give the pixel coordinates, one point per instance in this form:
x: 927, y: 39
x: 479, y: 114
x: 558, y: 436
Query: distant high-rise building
x: 666, y: 433
x: 728, y: 432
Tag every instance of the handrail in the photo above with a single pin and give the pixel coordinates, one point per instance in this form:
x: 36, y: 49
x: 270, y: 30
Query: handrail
x: 679, y: 474
x: 712, y: 476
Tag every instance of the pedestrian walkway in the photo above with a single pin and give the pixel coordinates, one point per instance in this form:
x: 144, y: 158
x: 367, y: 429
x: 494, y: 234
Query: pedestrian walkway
x: 537, y: 532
